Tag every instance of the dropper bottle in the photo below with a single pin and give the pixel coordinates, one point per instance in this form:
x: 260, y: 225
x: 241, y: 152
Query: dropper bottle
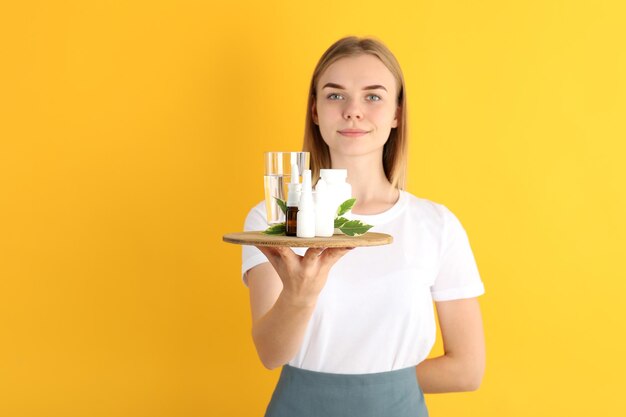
x: 306, y: 208
x: 324, y: 211
x: 293, y: 199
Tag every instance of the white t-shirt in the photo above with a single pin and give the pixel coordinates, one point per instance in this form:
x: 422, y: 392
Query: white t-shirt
x: 375, y: 313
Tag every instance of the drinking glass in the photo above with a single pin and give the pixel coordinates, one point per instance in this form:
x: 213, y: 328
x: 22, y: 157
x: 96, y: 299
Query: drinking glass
x: 277, y: 177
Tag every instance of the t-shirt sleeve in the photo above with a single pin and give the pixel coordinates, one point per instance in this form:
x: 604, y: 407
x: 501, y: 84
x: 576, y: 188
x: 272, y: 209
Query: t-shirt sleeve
x: 251, y: 256
x: 458, y: 275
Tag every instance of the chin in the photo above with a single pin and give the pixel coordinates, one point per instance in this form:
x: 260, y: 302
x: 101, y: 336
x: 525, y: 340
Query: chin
x: 357, y: 150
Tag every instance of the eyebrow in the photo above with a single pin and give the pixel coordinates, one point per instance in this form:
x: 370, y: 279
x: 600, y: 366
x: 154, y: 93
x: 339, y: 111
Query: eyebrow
x: 369, y: 87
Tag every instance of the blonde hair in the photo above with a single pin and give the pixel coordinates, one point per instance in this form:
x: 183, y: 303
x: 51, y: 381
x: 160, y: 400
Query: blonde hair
x: 395, y: 151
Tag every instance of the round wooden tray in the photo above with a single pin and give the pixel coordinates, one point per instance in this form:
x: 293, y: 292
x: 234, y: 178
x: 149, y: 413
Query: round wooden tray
x: 336, y: 241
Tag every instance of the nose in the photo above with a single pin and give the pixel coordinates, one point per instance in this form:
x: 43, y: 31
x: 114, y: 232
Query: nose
x: 352, y: 111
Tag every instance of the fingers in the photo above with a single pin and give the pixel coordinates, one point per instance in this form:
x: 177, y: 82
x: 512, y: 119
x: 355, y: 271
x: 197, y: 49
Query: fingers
x: 332, y: 255
x: 327, y: 256
x: 275, y: 256
x: 268, y: 251
x: 277, y: 252
x: 312, y: 254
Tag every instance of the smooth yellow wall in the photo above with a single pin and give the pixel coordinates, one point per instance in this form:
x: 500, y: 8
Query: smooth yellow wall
x: 131, y: 140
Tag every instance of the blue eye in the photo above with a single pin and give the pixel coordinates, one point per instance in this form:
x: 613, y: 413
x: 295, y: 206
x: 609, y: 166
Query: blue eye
x: 335, y: 96
x: 373, y: 97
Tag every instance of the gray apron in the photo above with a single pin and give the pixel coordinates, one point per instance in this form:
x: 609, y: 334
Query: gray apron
x: 303, y: 393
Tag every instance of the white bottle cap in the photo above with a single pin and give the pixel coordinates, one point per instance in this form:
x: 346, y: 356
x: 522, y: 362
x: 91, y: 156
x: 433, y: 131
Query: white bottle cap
x: 334, y: 175
x: 293, y: 198
x: 306, y: 197
x: 306, y: 208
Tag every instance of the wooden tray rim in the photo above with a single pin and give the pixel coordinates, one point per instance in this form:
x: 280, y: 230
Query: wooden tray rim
x: 257, y: 238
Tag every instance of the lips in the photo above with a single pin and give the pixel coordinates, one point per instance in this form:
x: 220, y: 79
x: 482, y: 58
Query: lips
x: 353, y: 132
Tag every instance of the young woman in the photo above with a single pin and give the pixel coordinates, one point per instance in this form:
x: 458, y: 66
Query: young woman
x: 352, y: 328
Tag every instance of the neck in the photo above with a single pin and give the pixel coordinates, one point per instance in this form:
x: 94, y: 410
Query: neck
x: 371, y: 188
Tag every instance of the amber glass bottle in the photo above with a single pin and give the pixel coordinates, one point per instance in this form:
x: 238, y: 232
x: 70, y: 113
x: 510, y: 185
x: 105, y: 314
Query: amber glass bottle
x: 293, y: 199
x: 292, y: 221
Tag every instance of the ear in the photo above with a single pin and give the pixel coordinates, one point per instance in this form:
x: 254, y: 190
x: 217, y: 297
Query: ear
x: 394, y: 123
x: 314, y: 112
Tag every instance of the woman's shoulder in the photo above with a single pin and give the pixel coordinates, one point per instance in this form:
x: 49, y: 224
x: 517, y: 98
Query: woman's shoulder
x: 435, y: 213
x: 258, y: 208
x: 424, y: 207
x: 256, y: 217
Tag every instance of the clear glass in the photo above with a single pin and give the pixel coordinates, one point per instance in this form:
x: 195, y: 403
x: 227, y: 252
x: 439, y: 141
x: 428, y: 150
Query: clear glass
x: 277, y: 176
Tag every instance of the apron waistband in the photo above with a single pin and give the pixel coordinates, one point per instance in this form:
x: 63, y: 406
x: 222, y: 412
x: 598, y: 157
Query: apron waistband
x: 314, y: 377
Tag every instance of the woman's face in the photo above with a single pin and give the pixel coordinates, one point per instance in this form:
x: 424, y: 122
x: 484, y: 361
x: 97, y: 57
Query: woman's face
x: 356, y: 105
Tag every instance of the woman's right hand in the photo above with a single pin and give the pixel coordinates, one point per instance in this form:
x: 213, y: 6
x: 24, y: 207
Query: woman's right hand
x: 303, y: 277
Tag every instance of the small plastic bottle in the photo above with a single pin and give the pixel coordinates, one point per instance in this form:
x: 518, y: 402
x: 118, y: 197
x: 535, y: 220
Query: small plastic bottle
x: 306, y: 208
x: 324, y: 212
x: 338, y: 188
x: 293, y: 199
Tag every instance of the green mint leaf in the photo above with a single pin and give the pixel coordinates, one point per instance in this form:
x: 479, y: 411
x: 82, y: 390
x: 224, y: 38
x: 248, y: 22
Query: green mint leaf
x: 355, y: 228
x: 340, y: 221
x: 345, y: 206
x: 282, y: 205
x: 276, y: 229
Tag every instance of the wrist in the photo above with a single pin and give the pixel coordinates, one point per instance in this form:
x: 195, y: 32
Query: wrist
x: 291, y: 299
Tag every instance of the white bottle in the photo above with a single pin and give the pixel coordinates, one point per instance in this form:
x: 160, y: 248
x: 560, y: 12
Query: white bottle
x: 293, y: 199
x: 324, y: 211
x: 306, y: 208
x: 338, y: 188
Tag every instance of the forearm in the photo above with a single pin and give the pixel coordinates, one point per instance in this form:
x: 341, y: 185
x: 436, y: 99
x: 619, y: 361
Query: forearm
x: 278, y: 334
x: 448, y: 374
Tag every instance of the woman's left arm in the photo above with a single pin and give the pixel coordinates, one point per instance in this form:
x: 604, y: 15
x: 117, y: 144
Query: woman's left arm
x: 462, y: 366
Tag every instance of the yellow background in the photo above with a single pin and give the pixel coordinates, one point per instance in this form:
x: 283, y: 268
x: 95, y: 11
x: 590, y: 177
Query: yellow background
x: 131, y: 140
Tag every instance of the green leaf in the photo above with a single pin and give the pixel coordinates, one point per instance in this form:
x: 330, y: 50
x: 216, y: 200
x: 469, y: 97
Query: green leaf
x: 345, y: 206
x: 340, y: 221
x: 282, y: 205
x: 355, y: 228
x: 276, y: 229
